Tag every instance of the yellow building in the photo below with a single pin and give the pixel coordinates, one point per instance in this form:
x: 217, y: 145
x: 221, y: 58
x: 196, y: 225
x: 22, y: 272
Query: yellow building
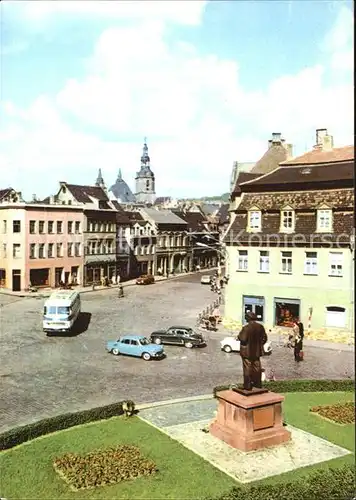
x: 290, y: 245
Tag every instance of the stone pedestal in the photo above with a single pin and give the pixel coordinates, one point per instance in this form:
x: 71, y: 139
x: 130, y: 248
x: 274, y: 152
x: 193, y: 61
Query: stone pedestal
x: 250, y: 422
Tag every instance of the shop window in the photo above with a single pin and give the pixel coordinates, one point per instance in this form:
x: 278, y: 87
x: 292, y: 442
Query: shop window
x: 286, y: 312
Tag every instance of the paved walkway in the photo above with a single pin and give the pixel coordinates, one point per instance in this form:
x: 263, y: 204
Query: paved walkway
x: 46, y: 292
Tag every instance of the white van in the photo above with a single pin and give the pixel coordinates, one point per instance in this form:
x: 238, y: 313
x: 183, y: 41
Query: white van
x: 61, y: 311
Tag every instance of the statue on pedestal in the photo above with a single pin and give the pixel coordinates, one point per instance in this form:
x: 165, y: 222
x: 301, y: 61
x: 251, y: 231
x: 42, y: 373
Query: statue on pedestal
x: 252, y: 337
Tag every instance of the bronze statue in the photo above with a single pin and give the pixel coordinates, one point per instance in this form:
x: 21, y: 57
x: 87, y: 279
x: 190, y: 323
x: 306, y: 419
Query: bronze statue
x: 252, y: 338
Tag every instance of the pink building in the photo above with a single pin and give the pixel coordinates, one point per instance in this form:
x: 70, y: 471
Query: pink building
x: 40, y: 245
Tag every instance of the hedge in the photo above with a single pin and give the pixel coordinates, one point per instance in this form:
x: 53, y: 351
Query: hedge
x: 19, y: 435
x: 346, y: 385
x: 331, y: 484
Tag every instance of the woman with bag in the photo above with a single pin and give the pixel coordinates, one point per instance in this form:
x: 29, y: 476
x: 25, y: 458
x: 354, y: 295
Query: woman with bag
x: 298, y: 334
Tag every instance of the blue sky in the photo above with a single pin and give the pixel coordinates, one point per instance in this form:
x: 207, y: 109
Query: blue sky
x: 207, y: 82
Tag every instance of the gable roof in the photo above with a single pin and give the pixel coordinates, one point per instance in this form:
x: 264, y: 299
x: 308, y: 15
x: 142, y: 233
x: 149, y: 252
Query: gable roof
x: 4, y: 192
x: 83, y: 193
x: 163, y: 216
x: 317, y: 156
x: 286, y: 176
x: 276, y: 154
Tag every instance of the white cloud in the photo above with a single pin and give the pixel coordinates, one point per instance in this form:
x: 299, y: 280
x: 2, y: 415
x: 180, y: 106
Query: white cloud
x: 197, y: 116
x: 185, y: 12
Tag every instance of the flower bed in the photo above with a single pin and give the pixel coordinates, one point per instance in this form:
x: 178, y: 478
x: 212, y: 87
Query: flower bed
x: 341, y: 413
x: 103, y: 467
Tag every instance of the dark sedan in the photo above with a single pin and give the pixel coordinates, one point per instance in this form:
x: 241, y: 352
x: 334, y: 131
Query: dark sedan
x: 178, y: 335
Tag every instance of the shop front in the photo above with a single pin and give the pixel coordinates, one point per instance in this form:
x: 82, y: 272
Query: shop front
x: 40, y: 277
x: 286, y: 311
x: 254, y: 304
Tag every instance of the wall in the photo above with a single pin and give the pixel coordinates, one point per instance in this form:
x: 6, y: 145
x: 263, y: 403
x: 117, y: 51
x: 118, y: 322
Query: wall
x: 313, y: 291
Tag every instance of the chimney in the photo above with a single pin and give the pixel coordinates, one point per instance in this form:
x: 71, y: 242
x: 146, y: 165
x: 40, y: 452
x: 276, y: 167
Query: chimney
x: 276, y: 140
x: 324, y: 142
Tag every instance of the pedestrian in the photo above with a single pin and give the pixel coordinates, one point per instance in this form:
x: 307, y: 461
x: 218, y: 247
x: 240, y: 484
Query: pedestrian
x: 221, y: 283
x: 298, y: 335
x: 252, y: 338
x: 121, y: 291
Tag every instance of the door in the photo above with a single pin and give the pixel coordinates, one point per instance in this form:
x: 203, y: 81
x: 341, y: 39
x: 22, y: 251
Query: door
x: 16, y: 280
x: 335, y: 317
x: 66, y: 277
x: 170, y: 337
x: 125, y: 347
x: 58, y: 275
x: 255, y: 305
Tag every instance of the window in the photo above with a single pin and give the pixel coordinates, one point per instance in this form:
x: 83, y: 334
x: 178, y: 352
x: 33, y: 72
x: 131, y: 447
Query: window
x: 264, y: 261
x: 254, y: 220
x: 16, y: 226
x: 110, y: 246
x: 32, y: 226
x: 59, y: 227
x: 77, y: 227
x: 335, y: 264
x: 50, y: 226
x: 41, y: 226
x: 70, y: 249
x: 77, y: 249
x: 324, y: 219
x: 16, y: 248
x: 286, y: 262
x: 59, y: 249
x: 41, y: 251
x: 4, y: 250
x: 311, y: 263
x: 50, y: 251
x: 335, y: 317
x: 33, y: 251
x: 242, y: 263
x: 287, y: 220
x: 4, y: 226
x: 70, y: 227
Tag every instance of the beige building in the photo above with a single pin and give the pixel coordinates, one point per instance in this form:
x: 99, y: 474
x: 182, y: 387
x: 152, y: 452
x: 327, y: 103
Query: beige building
x: 290, y: 245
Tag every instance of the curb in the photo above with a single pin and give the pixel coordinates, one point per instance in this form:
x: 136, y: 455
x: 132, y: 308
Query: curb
x: 167, y: 402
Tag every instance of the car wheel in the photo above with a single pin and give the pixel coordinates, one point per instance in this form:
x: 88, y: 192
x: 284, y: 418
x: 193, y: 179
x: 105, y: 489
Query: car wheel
x: 227, y: 348
x: 146, y: 356
x: 157, y: 341
x: 189, y: 345
x: 115, y: 352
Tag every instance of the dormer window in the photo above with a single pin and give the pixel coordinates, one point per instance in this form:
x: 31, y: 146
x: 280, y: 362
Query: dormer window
x: 254, y: 220
x: 287, y: 220
x: 324, y: 220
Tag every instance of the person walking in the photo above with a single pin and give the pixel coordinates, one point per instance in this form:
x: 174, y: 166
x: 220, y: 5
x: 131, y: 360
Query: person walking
x: 252, y: 338
x: 298, y: 335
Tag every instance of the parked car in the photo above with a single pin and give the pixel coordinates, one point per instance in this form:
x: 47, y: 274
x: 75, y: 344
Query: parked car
x: 206, y: 279
x: 178, y: 335
x: 229, y: 344
x: 146, y: 279
x: 135, y: 345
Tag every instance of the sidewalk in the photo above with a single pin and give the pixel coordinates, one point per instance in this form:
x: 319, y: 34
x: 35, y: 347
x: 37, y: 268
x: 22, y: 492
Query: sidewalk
x: 46, y: 292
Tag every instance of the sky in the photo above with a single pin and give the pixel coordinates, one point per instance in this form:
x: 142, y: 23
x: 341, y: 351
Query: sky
x: 207, y: 82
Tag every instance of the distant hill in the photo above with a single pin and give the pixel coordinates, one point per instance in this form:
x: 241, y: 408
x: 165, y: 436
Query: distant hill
x: 224, y: 197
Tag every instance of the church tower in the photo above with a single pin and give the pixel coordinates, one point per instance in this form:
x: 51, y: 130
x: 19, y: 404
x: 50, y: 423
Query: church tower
x: 145, y: 180
x: 100, y: 181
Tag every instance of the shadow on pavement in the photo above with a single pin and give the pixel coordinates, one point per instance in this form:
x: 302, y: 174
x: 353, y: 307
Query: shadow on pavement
x: 79, y: 327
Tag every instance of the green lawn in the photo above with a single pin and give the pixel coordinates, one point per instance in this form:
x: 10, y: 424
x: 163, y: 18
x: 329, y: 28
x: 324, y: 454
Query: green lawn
x: 26, y: 472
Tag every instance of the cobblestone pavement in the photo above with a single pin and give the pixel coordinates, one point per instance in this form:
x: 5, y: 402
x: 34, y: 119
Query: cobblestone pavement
x: 43, y: 376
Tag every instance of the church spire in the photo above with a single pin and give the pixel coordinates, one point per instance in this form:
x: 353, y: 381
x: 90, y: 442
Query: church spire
x: 145, y: 159
x: 100, y: 181
x: 119, y: 175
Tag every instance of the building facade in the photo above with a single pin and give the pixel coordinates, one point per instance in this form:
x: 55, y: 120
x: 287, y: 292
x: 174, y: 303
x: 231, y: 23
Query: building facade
x: 290, y: 244
x: 41, y: 246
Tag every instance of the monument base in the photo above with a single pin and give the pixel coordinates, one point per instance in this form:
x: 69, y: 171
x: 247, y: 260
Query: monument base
x: 250, y: 422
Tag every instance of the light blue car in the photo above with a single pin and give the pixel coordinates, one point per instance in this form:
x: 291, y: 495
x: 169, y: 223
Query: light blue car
x: 135, y: 345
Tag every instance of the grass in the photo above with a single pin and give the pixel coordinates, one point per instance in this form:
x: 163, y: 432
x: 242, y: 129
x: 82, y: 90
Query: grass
x: 27, y: 471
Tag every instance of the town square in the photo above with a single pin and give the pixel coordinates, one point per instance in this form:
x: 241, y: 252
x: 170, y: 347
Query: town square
x: 177, y: 250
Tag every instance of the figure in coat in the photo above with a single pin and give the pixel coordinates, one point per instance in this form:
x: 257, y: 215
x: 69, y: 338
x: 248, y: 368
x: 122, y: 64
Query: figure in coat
x: 252, y: 339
